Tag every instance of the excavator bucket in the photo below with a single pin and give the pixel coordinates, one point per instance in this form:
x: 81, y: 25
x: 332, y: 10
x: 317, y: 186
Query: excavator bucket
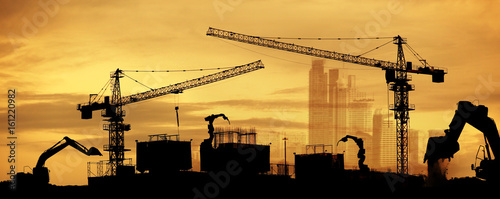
x: 439, y: 148
x: 94, y: 151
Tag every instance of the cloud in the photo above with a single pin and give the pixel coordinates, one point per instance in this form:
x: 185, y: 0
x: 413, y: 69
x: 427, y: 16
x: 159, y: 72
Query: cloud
x: 58, y: 112
x: 16, y: 18
x: 271, y: 123
x: 12, y: 12
x: 261, y: 104
x: 288, y: 91
x: 41, y: 112
x: 5, y: 49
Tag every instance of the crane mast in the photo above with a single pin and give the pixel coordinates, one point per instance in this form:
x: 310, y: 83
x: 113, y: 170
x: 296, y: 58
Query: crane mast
x: 113, y: 110
x: 396, y: 76
x: 401, y: 107
x: 116, y: 128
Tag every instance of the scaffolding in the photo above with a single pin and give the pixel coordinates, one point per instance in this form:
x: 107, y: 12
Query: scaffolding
x: 319, y: 148
x: 234, y: 135
x: 103, y: 168
x: 279, y: 169
x: 162, y: 137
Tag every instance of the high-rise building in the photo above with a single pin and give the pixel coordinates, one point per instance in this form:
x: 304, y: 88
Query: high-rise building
x: 415, y: 155
x: 338, y: 101
x: 320, y: 115
x: 360, y: 119
x: 337, y: 109
x: 384, y: 142
x: 377, y: 137
x: 360, y: 115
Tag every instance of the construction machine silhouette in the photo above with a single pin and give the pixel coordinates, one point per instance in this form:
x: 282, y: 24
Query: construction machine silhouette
x: 443, y: 147
x: 216, y: 154
x: 207, y: 143
x: 40, y: 176
x: 361, y: 153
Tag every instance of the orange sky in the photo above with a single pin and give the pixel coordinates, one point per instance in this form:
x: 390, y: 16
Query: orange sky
x: 55, y: 53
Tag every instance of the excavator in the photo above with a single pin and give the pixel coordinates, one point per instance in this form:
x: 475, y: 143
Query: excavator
x: 443, y: 147
x: 207, y: 151
x: 207, y: 143
x: 41, y: 173
x: 361, y: 153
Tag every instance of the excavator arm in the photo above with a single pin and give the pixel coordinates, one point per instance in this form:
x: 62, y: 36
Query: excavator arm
x: 41, y: 173
x: 446, y: 146
x: 60, y: 146
x: 361, y: 153
x: 358, y: 141
x: 210, y: 119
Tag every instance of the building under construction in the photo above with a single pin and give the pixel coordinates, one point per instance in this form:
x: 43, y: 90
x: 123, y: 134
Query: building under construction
x: 318, y: 162
x: 163, y: 153
x: 236, y: 144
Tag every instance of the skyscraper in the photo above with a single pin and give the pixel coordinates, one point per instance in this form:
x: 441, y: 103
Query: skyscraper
x: 360, y: 115
x: 415, y: 157
x: 384, y: 140
x: 338, y: 102
x: 337, y: 109
x: 320, y: 119
x: 377, y: 137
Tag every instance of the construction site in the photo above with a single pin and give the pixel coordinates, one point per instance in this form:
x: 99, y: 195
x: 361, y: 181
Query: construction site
x: 232, y: 164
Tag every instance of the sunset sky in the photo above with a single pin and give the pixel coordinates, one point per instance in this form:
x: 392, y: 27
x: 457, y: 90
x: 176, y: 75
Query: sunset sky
x: 55, y: 53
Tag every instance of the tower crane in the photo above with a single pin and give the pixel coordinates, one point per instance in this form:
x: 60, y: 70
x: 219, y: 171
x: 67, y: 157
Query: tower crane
x: 113, y: 111
x: 396, y: 74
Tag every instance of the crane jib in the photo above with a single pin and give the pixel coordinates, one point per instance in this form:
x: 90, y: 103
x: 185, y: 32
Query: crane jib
x: 255, y: 40
x: 179, y: 87
x: 87, y: 108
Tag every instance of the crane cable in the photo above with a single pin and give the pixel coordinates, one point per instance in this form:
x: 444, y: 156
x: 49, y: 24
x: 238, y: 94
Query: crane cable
x: 101, y: 92
x: 327, y: 38
x: 179, y: 70
x: 279, y: 58
x: 176, y: 103
x: 388, y: 108
x: 176, y: 99
x: 338, y: 38
x: 184, y: 70
x: 420, y: 58
x: 374, y: 48
x: 137, y: 81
